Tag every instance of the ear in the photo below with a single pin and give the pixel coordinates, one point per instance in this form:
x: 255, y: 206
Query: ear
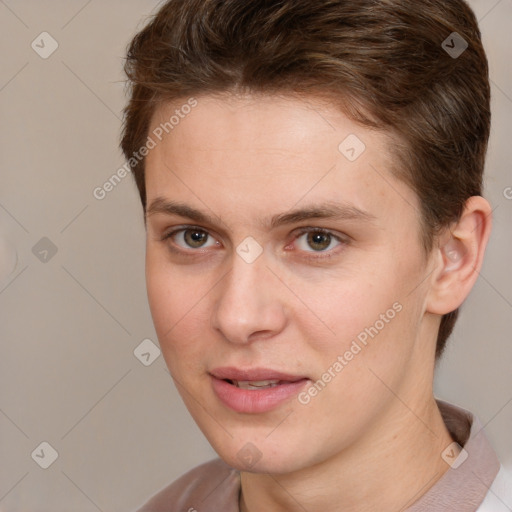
x: 459, y: 256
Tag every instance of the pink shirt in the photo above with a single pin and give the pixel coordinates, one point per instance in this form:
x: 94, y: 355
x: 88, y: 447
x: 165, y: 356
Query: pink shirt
x: 465, y: 487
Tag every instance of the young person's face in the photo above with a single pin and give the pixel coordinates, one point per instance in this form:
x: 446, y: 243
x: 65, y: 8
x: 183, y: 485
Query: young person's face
x: 356, y: 290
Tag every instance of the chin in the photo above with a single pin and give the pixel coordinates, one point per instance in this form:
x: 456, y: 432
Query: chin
x: 263, y: 456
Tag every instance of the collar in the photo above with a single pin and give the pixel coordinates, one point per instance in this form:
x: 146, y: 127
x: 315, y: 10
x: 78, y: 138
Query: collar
x: 464, y: 486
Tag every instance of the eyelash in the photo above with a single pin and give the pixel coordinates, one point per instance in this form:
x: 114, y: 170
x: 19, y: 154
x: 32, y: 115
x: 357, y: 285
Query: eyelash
x: 343, y: 241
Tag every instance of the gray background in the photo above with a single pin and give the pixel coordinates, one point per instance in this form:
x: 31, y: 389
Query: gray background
x: 70, y: 321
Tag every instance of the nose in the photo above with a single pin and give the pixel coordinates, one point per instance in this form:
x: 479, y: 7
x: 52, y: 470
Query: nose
x: 248, y: 304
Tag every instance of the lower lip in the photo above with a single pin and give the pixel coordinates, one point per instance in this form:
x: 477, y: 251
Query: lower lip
x: 257, y: 400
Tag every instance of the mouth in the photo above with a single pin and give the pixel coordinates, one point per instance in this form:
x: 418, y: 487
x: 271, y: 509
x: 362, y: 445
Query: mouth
x: 255, y: 390
x: 258, y: 384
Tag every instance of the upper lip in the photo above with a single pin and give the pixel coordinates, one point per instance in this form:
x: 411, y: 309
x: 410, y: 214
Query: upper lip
x: 253, y: 374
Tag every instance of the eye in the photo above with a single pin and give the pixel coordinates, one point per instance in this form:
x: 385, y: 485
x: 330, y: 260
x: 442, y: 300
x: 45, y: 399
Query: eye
x: 191, y: 238
x: 318, y: 240
x: 309, y: 240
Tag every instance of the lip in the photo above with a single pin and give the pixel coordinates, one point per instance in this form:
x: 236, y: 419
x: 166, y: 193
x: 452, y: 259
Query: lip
x: 255, y: 401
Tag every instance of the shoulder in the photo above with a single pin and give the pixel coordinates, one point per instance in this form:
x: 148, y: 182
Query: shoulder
x: 499, y: 497
x: 211, y: 486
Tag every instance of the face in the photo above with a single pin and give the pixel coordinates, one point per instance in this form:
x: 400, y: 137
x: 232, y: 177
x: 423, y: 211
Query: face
x: 285, y: 276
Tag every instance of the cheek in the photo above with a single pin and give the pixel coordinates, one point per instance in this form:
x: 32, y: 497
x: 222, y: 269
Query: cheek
x: 161, y: 301
x: 349, y: 303
x: 177, y: 300
x: 372, y: 318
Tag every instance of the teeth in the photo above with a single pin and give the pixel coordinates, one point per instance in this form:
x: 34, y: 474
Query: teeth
x: 256, y: 384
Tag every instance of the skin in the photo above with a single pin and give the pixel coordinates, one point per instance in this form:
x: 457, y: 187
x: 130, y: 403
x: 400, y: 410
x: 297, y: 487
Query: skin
x: 372, y: 438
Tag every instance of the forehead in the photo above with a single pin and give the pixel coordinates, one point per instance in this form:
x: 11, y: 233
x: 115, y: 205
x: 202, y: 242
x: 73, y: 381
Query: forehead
x: 264, y: 154
x: 256, y: 122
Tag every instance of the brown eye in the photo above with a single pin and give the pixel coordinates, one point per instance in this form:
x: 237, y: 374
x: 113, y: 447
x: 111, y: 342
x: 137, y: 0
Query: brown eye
x: 195, y: 238
x: 191, y: 238
x: 316, y: 240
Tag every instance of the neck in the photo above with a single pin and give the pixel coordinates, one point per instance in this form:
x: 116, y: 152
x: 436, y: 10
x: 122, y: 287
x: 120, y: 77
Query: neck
x: 395, y: 463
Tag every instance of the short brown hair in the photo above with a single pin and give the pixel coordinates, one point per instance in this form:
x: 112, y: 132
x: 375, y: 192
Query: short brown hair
x: 387, y: 63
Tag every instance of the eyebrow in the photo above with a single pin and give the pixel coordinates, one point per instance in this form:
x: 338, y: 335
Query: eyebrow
x: 328, y: 210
